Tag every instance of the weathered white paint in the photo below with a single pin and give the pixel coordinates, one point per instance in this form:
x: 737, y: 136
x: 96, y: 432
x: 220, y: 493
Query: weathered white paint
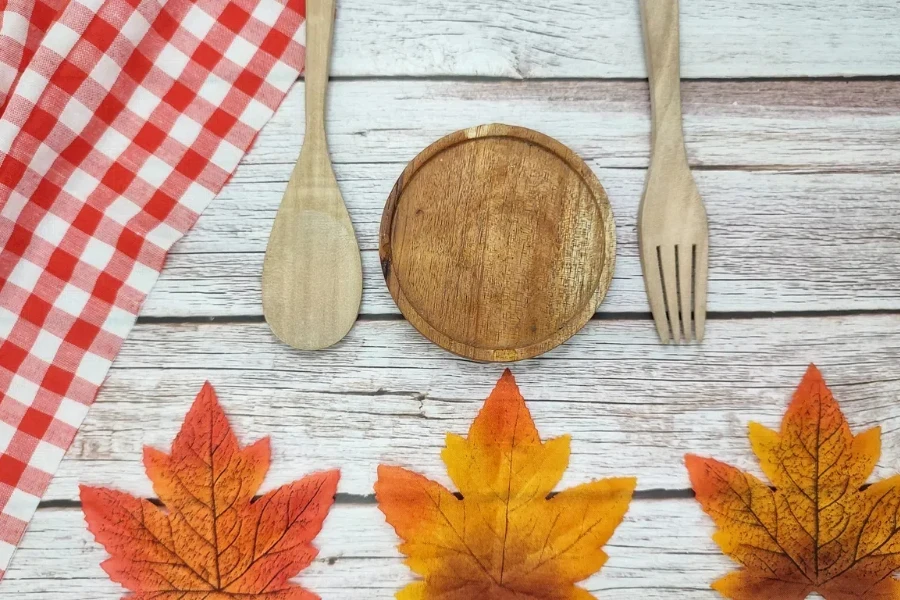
x: 359, y: 561
x: 780, y: 242
x: 801, y: 180
x: 385, y: 394
x: 802, y: 125
x: 816, y: 238
x: 587, y: 38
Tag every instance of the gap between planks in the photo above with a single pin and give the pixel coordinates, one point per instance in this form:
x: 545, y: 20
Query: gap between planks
x: 386, y: 396
x: 610, y: 316
x: 772, y: 169
x: 358, y: 499
x: 549, y: 79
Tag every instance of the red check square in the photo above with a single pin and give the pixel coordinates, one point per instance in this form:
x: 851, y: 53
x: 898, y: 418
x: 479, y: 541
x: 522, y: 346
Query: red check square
x: 35, y: 423
x: 11, y: 470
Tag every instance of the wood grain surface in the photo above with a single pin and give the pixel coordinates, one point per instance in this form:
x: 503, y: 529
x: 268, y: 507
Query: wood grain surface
x: 497, y: 243
x: 800, y: 176
x: 795, y: 125
x: 781, y: 166
x: 386, y: 394
x: 358, y: 557
x: 312, y: 275
x: 673, y: 230
x: 783, y: 241
x: 587, y: 38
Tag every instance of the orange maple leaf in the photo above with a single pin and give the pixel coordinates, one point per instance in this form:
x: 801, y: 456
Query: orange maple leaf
x: 214, y: 542
x: 818, y: 530
x: 506, y: 538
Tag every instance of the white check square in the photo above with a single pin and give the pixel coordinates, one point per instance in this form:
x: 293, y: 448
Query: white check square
x: 8, y: 132
x: 163, y: 236
x: 14, y: 26
x: 122, y: 210
x: 14, y: 206
x: 196, y: 197
x: 97, y: 253
x: 76, y: 115
x: 135, y: 28
x: 214, y: 89
x: 7, y: 432
x: 6, y: 552
x: 155, y: 171
x: 62, y: 41
x: 282, y: 76
x: 45, y: 346
x: 42, y: 159
x: 256, y: 114
x: 186, y: 130
x: 268, y: 11
x: 80, y: 184
x: 240, y: 51
x: 143, y: 102
x: 21, y: 505
x: 52, y: 229
x: 25, y: 274
x: 8, y: 76
x: 198, y: 22
x: 72, y: 300
x: 47, y: 457
x: 112, y: 143
x: 142, y: 277
x: 31, y: 85
x: 106, y: 72
x: 119, y: 322
x: 227, y: 156
x: 8, y: 320
x: 22, y: 390
x: 93, y: 368
x: 71, y: 413
x: 300, y: 35
x: 172, y: 61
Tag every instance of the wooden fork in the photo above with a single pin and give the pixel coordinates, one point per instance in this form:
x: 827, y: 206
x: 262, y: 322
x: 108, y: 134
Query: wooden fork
x: 672, y: 224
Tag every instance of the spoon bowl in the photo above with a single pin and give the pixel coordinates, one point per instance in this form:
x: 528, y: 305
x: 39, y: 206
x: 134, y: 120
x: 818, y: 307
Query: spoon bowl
x: 312, y: 273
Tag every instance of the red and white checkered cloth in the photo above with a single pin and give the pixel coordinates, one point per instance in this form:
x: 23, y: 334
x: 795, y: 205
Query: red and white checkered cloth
x: 119, y: 121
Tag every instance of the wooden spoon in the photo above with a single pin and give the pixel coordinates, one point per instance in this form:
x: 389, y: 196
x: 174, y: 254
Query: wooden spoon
x: 312, y: 275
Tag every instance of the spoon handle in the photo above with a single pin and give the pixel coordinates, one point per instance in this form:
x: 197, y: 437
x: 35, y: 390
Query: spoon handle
x: 319, y: 35
x: 661, y: 40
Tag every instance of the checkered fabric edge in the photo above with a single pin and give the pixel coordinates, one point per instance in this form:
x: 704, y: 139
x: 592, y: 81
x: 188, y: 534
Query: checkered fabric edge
x: 121, y: 120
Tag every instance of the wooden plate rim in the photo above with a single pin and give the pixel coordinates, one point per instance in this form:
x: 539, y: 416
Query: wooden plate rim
x: 578, y: 319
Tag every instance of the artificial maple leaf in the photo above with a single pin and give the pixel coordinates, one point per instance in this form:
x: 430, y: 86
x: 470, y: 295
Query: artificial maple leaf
x: 818, y: 530
x: 506, y: 538
x: 215, y: 542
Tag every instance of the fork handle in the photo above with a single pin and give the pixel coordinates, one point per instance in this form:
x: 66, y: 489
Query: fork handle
x: 661, y: 45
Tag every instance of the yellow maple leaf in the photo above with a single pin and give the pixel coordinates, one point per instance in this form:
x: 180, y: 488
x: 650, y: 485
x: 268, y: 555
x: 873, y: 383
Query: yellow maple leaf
x: 818, y: 530
x: 506, y: 538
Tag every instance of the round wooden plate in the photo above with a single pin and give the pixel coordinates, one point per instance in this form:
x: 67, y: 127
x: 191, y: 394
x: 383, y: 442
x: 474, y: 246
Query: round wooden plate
x: 497, y: 243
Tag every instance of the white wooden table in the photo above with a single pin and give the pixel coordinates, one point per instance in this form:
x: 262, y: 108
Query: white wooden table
x: 802, y: 182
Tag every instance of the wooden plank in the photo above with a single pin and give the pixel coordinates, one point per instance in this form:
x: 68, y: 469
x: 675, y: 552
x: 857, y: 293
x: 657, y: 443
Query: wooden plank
x: 386, y: 395
x: 777, y: 243
x: 804, y: 125
x: 661, y: 550
x: 780, y: 242
x: 583, y: 38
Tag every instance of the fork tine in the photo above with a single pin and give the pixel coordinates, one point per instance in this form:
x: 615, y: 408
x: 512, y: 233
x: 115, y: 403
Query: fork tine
x: 670, y: 281
x: 650, y: 260
x: 685, y: 283
x: 701, y: 273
